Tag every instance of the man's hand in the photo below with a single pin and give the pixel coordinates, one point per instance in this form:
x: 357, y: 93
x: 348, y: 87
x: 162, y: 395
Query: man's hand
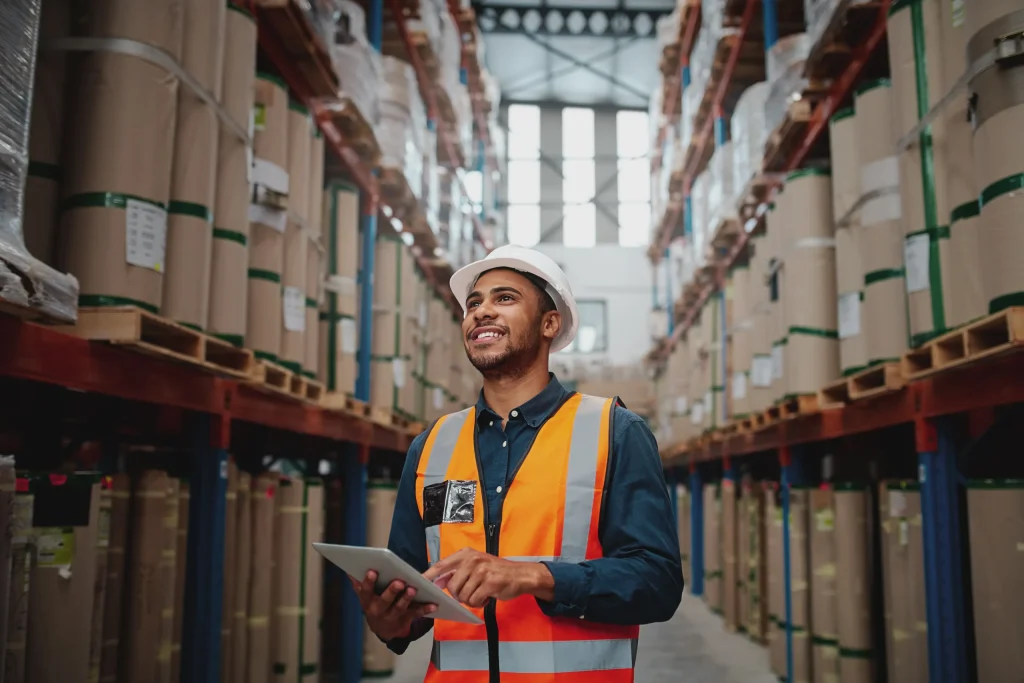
x: 389, y: 615
x: 477, y: 577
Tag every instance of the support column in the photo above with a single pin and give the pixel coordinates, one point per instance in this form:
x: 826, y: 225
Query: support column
x: 945, y: 600
x: 204, y: 579
x: 771, y: 24
x: 792, y: 475
x: 696, y: 532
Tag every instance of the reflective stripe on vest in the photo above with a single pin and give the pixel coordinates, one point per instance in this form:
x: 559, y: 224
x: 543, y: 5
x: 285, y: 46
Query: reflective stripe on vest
x: 440, y: 457
x: 532, y: 657
x: 579, y: 480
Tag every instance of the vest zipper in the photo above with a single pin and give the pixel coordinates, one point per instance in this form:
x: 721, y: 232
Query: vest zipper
x: 490, y: 609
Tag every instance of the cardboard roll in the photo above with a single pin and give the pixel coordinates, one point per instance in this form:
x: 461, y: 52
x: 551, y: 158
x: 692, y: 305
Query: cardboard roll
x: 265, y: 300
x: 229, y: 263
x: 293, y: 284
x: 48, y: 91
x: 239, y: 64
x: 159, y: 24
x: 300, y: 144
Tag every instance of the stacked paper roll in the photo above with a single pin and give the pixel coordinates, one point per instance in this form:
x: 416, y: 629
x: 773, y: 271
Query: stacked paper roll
x: 316, y: 263
x: 741, y: 340
x: 854, y: 583
x: 881, y: 245
x: 378, y: 660
x: 915, y: 55
x: 388, y: 372
x: 194, y: 179
x: 811, y: 351
x: 339, y: 332
x: 849, y: 271
x: 267, y: 225
x: 760, y: 346
x: 42, y: 184
x: 229, y: 292
x: 296, y: 239
x: 776, y: 278
x: 998, y: 166
x: 118, y: 172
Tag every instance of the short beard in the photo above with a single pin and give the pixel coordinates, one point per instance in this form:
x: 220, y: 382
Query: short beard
x: 515, y: 361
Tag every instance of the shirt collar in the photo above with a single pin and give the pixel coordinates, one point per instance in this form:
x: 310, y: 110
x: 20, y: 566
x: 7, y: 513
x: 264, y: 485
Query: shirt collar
x: 535, y: 411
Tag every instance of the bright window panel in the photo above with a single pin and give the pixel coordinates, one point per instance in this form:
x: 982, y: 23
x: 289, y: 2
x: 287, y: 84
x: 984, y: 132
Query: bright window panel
x: 524, y: 224
x: 524, y: 182
x: 634, y: 180
x: 523, y: 131
x: 474, y: 181
x: 592, y: 334
x: 579, y: 227
x: 631, y: 134
x: 634, y: 225
x: 578, y: 184
x: 577, y: 133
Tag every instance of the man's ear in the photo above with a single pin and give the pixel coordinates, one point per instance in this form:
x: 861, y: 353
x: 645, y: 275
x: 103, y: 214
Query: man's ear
x: 551, y: 325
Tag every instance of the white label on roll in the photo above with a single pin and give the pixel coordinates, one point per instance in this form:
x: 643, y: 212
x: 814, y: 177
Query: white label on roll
x: 916, y: 261
x: 145, y: 235
x: 294, y: 309
x: 761, y: 371
x: 697, y: 413
x: 398, y: 370
x: 268, y: 216
x: 849, y: 315
x: 739, y: 385
x: 776, y: 362
x: 882, y: 175
x: 438, y: 398
x: 897, y: 504
x: 709, y: 402
x: 423, y: 314
x: 348, y: 333
x: 681, y: 405
x: 269, y: 175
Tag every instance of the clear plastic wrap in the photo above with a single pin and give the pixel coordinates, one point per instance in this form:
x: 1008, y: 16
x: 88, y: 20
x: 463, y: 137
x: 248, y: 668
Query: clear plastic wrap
x: 749, y: 134
x: 692, y: 97
x: 786, y: 81
x: 818, y: 13
x: 668, y: 29
x: 24, y: 280
x: 358, y: 67
x: 701, y: 218
x: 721, y: 188
x: 402, y: 129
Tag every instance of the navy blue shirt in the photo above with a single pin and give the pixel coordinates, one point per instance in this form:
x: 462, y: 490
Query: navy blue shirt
x: 638, y: 581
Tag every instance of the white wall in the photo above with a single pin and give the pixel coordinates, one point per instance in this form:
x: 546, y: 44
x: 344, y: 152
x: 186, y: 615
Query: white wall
x: 621, y: 276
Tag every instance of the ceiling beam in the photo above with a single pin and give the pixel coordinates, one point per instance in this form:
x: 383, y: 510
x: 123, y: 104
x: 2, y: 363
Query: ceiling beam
x: 598, y: 22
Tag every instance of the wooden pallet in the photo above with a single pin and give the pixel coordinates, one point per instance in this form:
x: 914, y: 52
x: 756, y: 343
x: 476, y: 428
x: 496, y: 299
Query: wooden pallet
x: 994, y: 335
x: 783, y: 141
x: 835, y: 394
x: 358, y: 133
x: 875, y: 381
x: 333, y: 400
x: 148, y: 333
x: 272, y: 378
x: 795, y: 406
x: 308, y: 389
x: 301, y: 43
x: 851, y: 23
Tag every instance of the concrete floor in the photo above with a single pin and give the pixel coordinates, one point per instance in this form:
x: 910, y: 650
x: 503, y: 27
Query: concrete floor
x: 691, y: 648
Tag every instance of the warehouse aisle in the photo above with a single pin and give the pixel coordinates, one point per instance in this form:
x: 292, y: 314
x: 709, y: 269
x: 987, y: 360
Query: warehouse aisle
x: 691, y: 648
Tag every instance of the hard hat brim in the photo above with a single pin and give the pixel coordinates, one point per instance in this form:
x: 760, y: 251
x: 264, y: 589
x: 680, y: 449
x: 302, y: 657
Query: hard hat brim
x: 462, y: 282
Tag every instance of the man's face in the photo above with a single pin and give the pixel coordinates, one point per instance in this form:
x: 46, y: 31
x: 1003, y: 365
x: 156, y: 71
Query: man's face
x: 505, y: 331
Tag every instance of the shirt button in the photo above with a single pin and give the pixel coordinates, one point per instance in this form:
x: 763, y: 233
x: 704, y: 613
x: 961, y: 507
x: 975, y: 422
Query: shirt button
x: 491, y: 423
x: 498, y: 489
x: 504, y: 444
x: 515, y: 413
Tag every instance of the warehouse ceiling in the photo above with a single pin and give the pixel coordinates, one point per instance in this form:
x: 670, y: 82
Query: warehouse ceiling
x: 574, y: 52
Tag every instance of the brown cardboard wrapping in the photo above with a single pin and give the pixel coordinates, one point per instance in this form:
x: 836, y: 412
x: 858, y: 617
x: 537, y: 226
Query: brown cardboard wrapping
x: 42, y: 185
x: 100, y: 585
x: 757, y: 571
x: 22, y: 550
x: 684, y: 501
x: 180, y: 574
x: 230, y: 257
x: 730, y: 577
x: 339, y: 336
x: 712, y: 548
x: 265, y: 300
x: 315, y: 270
x: 854, y: 588
x: 288, y: 580
x: 117, y: 566
x: 995, y: 510
x: 824, y: 630
x: 168, y: 571
x: 259, y: 649
x: 144, y: 592
x: 270, y: 140
x: 800, y: 587
x: 906, y: 635
x: 293, y: 282
x: 315, y: 210
x: 380, y: 507
x: 978, y: 15
x: 309, y: 628
x: 63, y: 583
x: 776, y: 585
x: 742, y: 561
x: 227, y: 615
x: 883, y: 313
x: 241, y: 579
x: 300, y: 149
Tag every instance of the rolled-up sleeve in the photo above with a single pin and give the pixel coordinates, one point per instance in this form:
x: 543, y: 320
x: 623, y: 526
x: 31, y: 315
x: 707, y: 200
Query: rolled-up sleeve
x: 640, y: 578
x: 407, y: 538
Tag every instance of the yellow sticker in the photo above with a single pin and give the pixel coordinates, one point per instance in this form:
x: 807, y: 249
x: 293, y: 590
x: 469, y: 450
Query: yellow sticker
x: 259, y: 116
x: 56, y: 546
x: 825, y: 519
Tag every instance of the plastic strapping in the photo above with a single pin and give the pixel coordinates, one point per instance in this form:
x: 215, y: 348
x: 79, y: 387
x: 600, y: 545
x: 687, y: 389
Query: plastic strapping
x: 134, y: 48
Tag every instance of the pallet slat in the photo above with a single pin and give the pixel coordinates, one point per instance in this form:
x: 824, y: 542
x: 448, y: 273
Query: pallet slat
x: 999, y: 333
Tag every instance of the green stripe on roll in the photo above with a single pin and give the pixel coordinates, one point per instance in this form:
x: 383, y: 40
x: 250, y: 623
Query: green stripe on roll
x: 230, y: 236
x: 107, y: 301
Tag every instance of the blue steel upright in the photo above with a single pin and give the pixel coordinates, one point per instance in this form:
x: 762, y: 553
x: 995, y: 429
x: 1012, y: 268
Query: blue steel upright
x: 204, y: 573
x: 945, y: 600
x: 696, y: 533
x: 771, y: 24
x: 792, y: 475
x: 353, y: 464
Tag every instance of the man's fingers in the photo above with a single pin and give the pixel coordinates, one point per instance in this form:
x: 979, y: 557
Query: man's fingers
x: 425, y: 610
x: 404, y: 600
x: 369, y: 583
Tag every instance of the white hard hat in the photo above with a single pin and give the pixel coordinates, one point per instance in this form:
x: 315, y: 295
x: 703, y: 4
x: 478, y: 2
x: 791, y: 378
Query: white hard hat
x: 527, y: 261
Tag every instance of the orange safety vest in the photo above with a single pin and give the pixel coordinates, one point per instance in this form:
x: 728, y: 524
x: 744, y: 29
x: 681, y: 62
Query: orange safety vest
x: 550, y: 512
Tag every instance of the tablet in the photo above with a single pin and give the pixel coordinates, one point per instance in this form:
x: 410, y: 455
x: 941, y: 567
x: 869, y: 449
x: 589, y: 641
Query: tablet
x: 356, y: 561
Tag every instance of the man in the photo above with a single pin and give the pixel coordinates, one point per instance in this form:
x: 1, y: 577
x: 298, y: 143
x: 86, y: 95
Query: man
x: 544, y: 511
